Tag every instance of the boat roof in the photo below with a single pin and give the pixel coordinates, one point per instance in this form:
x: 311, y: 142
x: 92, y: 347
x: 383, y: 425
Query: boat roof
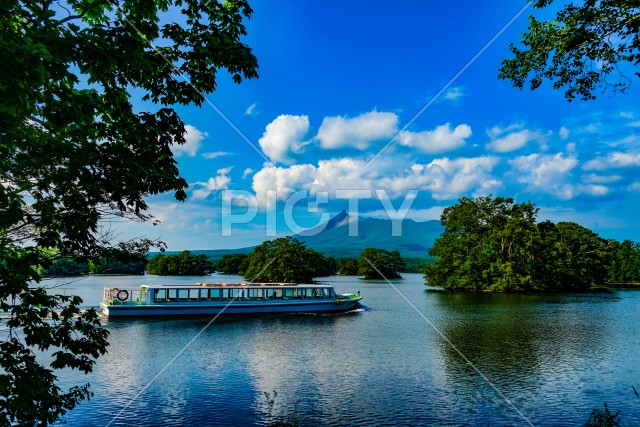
x: 238, y: 285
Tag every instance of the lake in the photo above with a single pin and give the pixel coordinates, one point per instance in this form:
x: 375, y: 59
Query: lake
x: 554, y: 357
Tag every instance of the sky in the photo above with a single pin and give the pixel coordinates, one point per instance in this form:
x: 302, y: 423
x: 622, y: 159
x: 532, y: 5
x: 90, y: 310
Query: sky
x: 392, y: 111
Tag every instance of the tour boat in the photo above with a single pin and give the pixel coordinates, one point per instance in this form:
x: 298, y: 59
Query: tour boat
x: 225, y: 298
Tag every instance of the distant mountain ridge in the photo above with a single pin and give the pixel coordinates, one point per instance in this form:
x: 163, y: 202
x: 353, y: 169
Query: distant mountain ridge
x: 332, y: 238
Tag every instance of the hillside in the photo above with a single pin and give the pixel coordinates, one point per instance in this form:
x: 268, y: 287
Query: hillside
x: 334, y: 240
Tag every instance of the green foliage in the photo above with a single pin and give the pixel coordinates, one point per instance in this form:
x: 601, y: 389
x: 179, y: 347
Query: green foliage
x: 183, y: 264
x: 380, y: 264
x: 74, y: 152
x: 348, y: 267
x: 104, y: 266
x: 286, y: 259
x: 495, y: 245
x: 65, y: 267
x: 231, y: 263
x: 624, y: 265
x: 584, y: 48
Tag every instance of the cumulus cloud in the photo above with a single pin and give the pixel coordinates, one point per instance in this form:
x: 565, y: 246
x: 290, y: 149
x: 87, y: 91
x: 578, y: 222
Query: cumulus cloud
x: 202, y: 190
x: 193, y: 138
x: 511, y: 138
x: 436, y: 141
x: 563, y: 132
x: 445, y: 178
x: 615, y: 159
x: 550, y: 174
x: 283, y: 136
x: 358, y: 132
x: 448, y: 179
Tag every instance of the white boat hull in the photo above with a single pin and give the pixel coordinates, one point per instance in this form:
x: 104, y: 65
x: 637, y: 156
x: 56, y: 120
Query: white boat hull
x: 233, y: 307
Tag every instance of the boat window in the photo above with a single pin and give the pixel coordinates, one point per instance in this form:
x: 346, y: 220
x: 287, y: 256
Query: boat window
x: 204, y: 293
x: 214, y: 293
x: 268, y: 293
x: 233, y: 293
x: 161, y: 294
x: 173, y: 293
x: 193, y: 294
x: 254, y: 293
x: 183, y: 294
x: 288, y: 293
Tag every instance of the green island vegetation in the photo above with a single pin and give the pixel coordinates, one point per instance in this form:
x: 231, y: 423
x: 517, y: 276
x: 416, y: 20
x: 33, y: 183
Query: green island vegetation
x: 183, y: 264
x: 495, y: 244
x: 71, y: 267
x: 286, y: 259
x: 76, y: 150
x: 380, y: 264
x: 232, y: 263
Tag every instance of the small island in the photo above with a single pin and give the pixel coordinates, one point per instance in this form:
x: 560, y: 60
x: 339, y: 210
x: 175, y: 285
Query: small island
x: 496, y: 245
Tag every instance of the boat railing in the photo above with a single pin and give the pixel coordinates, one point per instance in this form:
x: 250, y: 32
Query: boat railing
x: 118, y: 296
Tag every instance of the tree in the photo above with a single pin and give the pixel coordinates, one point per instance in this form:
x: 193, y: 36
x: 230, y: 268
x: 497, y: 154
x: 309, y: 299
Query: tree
x: 380, y: 264
x: 117, y: 267
x: 586, y: 45
x: 182, y: 264
x: 65, y: 267
x: 231, y: 263
x: 348, y: 267
x: 495, y: 245
x: 485, y: 245
x: 76, y: 149
x: 286, y: 260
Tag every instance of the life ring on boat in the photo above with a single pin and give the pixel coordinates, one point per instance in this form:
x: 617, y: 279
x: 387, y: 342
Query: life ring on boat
x: 122, y: 295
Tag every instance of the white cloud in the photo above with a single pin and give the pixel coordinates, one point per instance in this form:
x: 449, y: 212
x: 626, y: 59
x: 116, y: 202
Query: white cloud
x: 563, y: 132
x: 454, y: 93
x: 445, y: 179
x: 193, y: 138
x: 215, y: 154
x: 600, y: 179
x: 220, y: 182
x: 511, y: 138
x: 448, y: 179
x: 613, y: 160
x: 251, y: 110
x: 246, y: 173
x: 284, y: 135
x: 358, y: 132
x: 549, y: 173
x: 436, y: 141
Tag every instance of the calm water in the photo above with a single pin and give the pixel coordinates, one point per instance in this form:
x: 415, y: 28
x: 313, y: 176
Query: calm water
x: 554, y: 356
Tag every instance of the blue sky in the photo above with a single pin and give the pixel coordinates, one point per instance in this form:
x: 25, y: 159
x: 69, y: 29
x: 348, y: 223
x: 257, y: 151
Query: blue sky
x: 340, y: 80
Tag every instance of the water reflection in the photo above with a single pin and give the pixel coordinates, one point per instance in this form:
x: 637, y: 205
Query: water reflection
x: 555, y: 356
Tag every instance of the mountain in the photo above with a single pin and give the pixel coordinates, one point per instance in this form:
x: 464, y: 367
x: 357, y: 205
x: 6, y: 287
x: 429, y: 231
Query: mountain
x: 333, y: 239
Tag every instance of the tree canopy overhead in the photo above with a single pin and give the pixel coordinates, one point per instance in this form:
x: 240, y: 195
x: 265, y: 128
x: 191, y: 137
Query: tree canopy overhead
x: 589, y: 46
x: 75, y: 150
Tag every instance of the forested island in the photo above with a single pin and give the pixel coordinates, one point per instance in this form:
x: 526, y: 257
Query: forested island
x: 496, y: 244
